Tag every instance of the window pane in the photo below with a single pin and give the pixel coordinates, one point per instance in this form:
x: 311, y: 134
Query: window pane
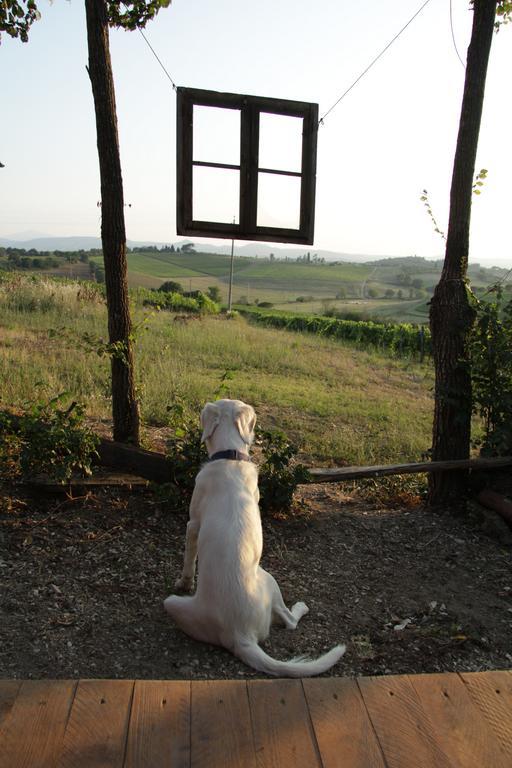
x: 216, y: 195
x: 280, y: 142
x: 216, y: 135
x: 278, y: 201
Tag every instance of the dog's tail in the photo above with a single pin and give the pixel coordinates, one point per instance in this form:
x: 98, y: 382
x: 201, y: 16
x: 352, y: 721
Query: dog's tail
x: 251, y: 653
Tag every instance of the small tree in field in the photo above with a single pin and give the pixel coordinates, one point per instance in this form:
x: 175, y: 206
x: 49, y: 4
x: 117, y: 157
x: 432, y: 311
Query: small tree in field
x: 16, y: 19
x: 171, y: 286
x: 214, y: 294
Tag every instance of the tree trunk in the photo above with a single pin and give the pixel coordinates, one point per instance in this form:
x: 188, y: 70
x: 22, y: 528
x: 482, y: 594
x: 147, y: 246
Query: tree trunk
x: 125, y: 409
x: 451, y: 312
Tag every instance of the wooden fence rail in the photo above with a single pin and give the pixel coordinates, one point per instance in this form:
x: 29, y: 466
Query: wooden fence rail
x: 155, y: 466
x: 334, y: 475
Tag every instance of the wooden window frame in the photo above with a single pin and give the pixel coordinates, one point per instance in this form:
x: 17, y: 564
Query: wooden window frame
x: 250, y: 108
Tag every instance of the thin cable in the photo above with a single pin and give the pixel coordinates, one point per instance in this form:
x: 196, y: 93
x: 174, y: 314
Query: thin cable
x: 154, y: 52
x: 453, y: 36
x: 320, y: 122
x: 501, y: 281
x: 156, y: 57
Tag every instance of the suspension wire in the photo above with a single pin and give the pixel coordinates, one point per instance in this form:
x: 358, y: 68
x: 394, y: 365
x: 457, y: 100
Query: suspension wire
x: 157, y: 58
x: 321, y: 121
x: 501, y: 281
x: 453, y: 36
x: 356, y: 81
x: 154, y: 53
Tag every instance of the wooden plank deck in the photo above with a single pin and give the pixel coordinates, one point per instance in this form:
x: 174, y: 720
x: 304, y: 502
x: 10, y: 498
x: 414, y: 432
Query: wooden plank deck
x: 408, y: 721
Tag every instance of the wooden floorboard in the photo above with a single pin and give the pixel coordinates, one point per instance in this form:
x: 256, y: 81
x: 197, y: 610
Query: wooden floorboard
x: 410, y: 721
x: 8, y: 692
x: 403, y: 727
x: 159, y: 731
x: 341, y: 724
x: 97, y: 729
x: 33, y: 730
x: 460, y: 729
x: 283, y: 735
x: 492, y: 694
x: 221, y: 732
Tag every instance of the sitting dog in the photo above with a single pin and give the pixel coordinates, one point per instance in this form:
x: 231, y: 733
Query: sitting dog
x: 235, y: 601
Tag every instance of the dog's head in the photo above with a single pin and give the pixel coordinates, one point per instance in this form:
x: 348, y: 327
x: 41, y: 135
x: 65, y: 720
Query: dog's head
x: 231, y: 419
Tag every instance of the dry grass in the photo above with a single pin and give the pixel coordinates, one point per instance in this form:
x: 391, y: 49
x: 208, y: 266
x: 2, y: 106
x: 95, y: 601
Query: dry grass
x: 340, y: 404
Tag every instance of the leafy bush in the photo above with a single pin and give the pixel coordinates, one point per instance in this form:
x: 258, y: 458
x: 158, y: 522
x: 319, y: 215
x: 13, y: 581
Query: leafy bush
x: 214, y: 294
x: 185, y: 454
x: 171, y: 286
x: 491, y: 372
x: 175, y: 302
x: 278, y: 479
x: 46, y: 438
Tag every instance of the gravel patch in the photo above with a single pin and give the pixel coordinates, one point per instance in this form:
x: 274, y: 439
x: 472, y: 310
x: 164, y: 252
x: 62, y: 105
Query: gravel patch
x: 408, y: 590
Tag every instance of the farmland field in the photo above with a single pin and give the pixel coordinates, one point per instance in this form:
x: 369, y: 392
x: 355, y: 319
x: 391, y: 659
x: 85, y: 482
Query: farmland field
x: 340, y: 404
x: 395, y: 290
x: 415, y: 311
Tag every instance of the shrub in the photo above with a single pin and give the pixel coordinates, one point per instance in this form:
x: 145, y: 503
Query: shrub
x: 214, y: 294
x: 176, y: 302
x: 278, y: 479
x: 46, y: 438
x: 185, y: 454
x: 491, y: 372
x: 170, y: 286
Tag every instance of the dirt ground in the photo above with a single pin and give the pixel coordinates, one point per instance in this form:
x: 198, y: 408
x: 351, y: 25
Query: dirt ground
x: 408, y: 590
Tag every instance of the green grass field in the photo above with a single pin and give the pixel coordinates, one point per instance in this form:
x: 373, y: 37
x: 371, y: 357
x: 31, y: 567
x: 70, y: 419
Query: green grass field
x: 259, y: 279
x: 362, y: 286
x: 341, y: 405
x: 415, y: 311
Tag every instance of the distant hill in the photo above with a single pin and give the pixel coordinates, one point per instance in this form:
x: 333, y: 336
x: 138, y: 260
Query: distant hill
x: 76, y: 243
x: 406, y: 261
x: 43, y: 243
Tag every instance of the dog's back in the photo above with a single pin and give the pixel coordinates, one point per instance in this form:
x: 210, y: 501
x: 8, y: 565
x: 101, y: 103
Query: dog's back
x: 236, y: 600
x: 230, y: 543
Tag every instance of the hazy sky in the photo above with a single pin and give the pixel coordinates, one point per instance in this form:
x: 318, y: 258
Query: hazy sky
x: 392, y: 136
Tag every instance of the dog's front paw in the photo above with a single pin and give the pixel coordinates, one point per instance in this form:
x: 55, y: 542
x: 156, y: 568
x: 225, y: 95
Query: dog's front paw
x: 184, y: 584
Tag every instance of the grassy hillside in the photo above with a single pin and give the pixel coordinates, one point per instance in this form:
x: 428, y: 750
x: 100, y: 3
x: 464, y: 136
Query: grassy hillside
x: 341, y: 405
x: 392, y: 289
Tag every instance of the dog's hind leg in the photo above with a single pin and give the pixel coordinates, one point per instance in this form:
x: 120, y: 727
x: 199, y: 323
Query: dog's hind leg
x: 280, y: 612
x: 290, y: 619
x: 186, y: 613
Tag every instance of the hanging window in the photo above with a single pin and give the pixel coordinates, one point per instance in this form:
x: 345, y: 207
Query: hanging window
x: 246, y: 167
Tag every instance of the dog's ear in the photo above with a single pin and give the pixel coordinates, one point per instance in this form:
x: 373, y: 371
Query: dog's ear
x: 245, y: 420
x: 210, y: 416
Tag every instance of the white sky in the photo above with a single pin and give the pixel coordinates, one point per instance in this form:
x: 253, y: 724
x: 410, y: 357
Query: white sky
x: 389, y: 138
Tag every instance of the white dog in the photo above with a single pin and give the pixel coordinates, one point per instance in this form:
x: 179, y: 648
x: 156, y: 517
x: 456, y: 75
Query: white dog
x: 235, y: 601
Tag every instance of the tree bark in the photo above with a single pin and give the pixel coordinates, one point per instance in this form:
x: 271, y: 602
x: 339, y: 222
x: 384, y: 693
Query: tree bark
x: 125, y: 409
x: 451, y: 311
